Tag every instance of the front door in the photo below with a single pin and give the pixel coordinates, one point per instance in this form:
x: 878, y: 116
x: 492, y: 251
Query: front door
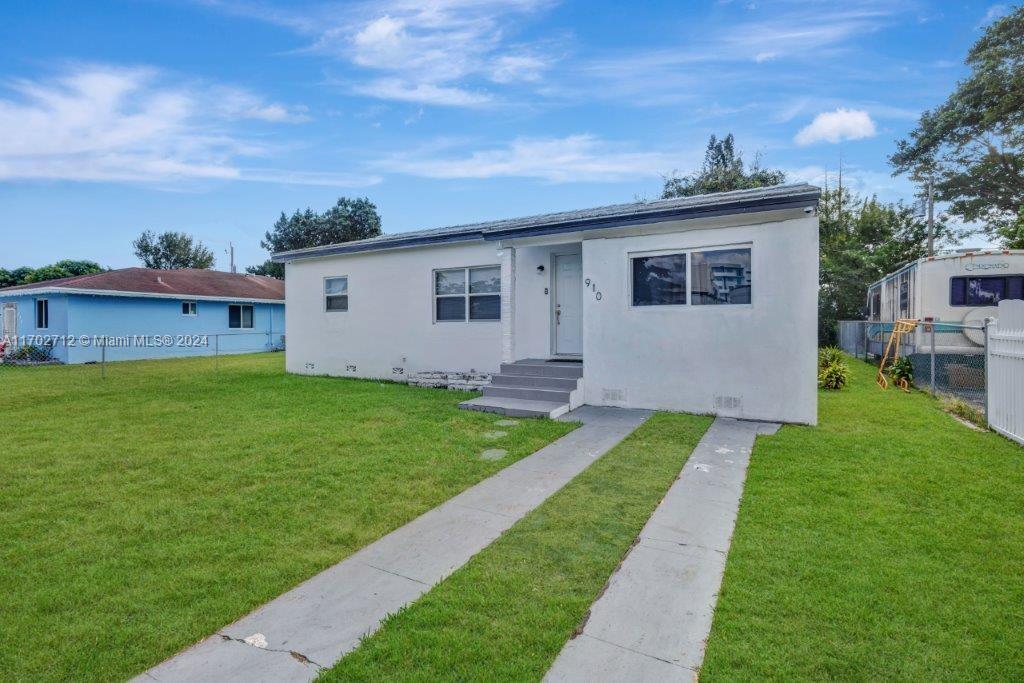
x: 10, y: 321
x: 568, y: 301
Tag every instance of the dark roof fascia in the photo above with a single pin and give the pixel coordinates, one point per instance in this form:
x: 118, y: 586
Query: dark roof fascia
x: 382, y: 245
x: 740, y: 206
x: 682, y: 213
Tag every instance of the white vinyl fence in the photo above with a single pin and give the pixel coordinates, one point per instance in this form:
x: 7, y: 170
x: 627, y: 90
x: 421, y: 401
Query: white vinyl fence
x: 1006, y: 371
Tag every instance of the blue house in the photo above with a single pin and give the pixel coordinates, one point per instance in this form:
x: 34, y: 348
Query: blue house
x: 137, y: 313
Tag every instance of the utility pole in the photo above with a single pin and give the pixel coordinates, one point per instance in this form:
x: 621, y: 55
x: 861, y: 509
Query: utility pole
x: 231, y: 250
x: 931, y: 218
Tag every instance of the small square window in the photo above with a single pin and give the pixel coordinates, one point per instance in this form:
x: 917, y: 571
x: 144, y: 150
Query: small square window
x: 336, y: 294
x: 659, y: 280
x: 240, y: 316
x: 450, y: 282
x: 451, y: 308
x: 721, y: 276
x: 462, y: 294
x: 188, y: 308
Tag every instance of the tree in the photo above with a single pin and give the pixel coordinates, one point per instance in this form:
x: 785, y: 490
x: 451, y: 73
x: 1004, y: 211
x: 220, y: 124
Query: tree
x: 861, y: 240
x: 347, y: 220
x: 65, y: 268
x: 171, y: 251
x: 973, y: 143
x: 723, y: 170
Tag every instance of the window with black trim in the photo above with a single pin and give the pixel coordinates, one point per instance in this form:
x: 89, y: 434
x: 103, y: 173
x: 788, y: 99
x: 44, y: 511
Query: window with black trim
x: 336, y: 293
x: 659, y: 280
x: 986, y: 290
x: 462, y: 294
x: 42, y: 314
x: 240, y: 316
x: 188, y: 308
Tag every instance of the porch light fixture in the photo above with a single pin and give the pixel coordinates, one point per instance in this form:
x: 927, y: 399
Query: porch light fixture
x: 540, y: 268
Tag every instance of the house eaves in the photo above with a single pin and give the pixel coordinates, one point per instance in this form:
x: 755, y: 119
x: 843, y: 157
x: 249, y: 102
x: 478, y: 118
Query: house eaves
x: 780, y: 197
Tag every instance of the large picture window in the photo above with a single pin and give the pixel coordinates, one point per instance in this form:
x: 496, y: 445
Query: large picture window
x: 472, y: 294
x: 716, y: 276
x: 240, y: 316
x: 42, y: 314
x: 336, y: 294
x: 721, y: 276
x: 659, y: 280
x: 985, y: 291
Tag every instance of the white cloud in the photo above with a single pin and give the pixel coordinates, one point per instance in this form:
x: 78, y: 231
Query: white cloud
x: 517, y: 68
x: 836, y: 126
x: 805, y: 31
x: 569, y: 159
x: 422, y: 93
x: 105, y: 123
x: 423, y: 51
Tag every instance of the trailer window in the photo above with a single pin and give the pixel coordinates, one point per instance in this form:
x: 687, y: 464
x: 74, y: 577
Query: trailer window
x: 984, y: 291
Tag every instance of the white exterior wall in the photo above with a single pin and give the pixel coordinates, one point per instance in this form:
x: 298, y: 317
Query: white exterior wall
x: 390, y: 321
x: 755, y: 361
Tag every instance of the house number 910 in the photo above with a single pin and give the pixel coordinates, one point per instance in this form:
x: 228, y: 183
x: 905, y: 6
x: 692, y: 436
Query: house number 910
x: 593, y: 288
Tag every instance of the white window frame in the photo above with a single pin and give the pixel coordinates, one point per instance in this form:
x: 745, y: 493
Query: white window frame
x: 465, y: 294
x: 46, y: 314
x: 688, y: 251
x: 346, y: 294
x: 193, y: 309
x: 241, y: 317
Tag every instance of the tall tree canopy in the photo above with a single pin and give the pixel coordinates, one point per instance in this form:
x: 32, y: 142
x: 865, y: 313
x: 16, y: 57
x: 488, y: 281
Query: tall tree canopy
x: 171, y: 251
x: 861, y: 240
x: 723, y: 170
x: 973, y: 144
x: 347, y: 220
x: 64, y: 268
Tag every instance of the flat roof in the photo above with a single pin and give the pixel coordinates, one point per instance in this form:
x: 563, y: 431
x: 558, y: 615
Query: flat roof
x: 699, y: 206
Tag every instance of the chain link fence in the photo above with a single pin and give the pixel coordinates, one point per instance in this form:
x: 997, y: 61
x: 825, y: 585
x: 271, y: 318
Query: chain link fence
x: 33, y: 351
x: 948, y: 359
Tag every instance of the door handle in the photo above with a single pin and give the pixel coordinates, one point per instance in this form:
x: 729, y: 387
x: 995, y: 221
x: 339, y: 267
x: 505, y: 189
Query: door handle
x: 558, y: 315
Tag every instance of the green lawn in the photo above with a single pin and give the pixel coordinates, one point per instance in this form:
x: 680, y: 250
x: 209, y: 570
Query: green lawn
x: 506, y: 614
x: 142, y: 512
x: 887, y: 543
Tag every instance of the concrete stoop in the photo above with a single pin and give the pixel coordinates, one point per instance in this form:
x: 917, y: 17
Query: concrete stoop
x: 529, y: 388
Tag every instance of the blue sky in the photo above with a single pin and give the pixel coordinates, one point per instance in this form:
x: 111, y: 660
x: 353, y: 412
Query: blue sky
x: 213, y: 116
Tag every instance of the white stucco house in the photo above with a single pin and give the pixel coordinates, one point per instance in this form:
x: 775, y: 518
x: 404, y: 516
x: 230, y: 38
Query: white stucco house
x: 703, y: 304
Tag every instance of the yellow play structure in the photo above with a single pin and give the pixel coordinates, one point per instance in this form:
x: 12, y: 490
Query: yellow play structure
x: 892, y: 351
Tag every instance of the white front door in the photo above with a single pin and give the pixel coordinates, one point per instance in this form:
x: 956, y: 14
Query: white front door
x: 568, y: 301
x: 10, y: 320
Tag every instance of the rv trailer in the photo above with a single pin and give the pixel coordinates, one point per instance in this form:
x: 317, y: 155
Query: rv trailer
x: 953, y: 292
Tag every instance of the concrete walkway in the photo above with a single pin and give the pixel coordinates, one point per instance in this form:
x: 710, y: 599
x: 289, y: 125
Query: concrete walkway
x: 314, y: 625
x: 653, y: 620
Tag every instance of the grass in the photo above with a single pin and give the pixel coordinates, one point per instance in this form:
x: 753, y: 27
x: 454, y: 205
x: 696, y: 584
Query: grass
x: 507, y: 613
x: 886, y: 543
x: 144, y: 511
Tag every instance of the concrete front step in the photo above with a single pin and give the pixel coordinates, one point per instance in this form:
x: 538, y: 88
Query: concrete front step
x: 516, y: 407
x: 529, y: 393
x: 535, y: 382
x: 543, y: 369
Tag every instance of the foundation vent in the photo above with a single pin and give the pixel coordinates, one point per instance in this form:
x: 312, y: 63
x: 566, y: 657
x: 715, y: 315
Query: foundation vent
x: 728, y: 402
x: 615, y: 395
